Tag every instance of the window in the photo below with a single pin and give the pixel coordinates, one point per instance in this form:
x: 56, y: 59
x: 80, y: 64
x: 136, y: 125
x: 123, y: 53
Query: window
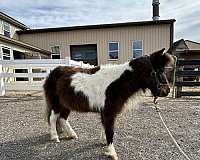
x: 113, y: 50
x: 55, y: 52
x: 86, y: 53
x: 137, y: 49
x: 6, y: 29
x: 6, y: 53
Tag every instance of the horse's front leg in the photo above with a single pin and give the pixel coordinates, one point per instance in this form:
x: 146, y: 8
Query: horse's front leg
x: 103, y: 136
x: 108, y: 123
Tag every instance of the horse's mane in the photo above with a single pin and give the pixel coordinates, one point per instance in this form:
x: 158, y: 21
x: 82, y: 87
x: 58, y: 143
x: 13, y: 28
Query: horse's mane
x: 107, y: 66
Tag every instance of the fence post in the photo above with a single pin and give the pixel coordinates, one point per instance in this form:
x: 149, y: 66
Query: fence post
x: 174, y: 78
x: 179, y: 79
x: 30, y: 71
x: 82, y: 64
x: 67, y: 61
x: 2, y: 88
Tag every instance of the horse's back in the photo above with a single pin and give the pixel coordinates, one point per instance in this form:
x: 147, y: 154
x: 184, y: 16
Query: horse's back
x: 58, y: 89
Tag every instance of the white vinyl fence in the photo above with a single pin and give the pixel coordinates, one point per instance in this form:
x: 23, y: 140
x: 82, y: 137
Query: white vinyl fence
x: 36, y: 72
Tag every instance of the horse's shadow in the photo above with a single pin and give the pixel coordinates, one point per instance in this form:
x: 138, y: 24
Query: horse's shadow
x: 23, y: 148
x: 40, y: 147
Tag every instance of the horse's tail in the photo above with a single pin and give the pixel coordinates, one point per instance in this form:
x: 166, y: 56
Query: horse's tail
x: 50, y: 91
x: 47, y: 110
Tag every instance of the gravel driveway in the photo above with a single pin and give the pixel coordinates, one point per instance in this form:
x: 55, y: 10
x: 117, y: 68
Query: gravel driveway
x: 139, y: 133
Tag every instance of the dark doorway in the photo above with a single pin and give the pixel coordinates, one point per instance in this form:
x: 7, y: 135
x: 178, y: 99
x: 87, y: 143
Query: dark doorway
x: 20, y: 55
x: 86, y: 53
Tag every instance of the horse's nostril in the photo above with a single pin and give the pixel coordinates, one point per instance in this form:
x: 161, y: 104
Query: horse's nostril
x: 164, y: 91
x: 167, y: 89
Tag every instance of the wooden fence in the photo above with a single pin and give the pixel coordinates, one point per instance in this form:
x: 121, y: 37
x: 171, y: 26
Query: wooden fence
x: 187, y: 75
x: 36, y: 71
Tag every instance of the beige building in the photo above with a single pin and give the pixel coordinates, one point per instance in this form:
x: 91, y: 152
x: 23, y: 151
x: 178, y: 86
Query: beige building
x: 10, y: 45
x: 105, y: 43
x: 96, y: 44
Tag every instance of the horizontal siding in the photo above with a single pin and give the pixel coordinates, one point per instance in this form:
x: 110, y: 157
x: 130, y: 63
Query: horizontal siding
x: 154, y: 37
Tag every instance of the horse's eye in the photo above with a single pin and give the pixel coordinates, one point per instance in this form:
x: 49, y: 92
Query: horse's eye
x: 153, y: 73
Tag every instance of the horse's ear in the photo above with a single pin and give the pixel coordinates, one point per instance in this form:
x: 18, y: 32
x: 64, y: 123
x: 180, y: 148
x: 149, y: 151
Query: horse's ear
x: 158, y: 53
x: 156, y: 56
x: 160, y: 58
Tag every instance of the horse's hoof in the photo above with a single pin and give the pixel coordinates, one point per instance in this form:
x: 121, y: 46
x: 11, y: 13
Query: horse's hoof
x: 103, y: 142
x: 74, y: 137
x: 113, y: 156
x: 55, y: 139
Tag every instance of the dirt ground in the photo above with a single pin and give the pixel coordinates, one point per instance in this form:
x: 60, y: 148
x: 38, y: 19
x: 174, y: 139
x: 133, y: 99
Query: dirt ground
x: 139, y: 133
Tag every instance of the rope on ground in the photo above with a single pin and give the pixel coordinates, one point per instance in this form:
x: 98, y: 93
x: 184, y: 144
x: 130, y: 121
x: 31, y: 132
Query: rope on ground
x: 157, y: 109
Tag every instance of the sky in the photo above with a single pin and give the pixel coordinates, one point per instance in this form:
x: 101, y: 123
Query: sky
x: 60, y: 13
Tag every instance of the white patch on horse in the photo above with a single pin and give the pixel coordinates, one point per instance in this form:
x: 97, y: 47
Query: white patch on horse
x: 111, y: 152
x: 53, y: 131
x: 134, y: 101
x: 68, y: 131
x: 94, y: 85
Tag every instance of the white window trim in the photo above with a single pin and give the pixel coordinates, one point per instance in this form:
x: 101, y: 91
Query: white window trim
x: 5, y: 23
x: 113, y: 50
x: 7, y: 47
x: 55, y: 54
x: 137, y: 49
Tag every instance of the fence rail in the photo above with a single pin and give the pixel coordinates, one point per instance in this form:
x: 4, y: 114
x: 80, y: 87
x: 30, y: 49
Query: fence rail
x: 8, y: 77
x: 183, y: 62
x: 187, y: 75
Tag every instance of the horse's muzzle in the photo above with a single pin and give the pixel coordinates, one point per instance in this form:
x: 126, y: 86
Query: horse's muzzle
x: 163, y: 91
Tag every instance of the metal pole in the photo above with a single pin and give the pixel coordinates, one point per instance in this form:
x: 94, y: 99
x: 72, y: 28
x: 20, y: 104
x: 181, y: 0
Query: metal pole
x: 2, y: 87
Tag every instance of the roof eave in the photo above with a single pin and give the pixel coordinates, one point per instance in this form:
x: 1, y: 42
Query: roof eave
x: 112, y: 25
x: 24, y: 45
x: 13, y: 21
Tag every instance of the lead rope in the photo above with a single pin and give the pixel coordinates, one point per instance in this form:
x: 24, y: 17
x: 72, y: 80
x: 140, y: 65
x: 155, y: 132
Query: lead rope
x: 158, y: 110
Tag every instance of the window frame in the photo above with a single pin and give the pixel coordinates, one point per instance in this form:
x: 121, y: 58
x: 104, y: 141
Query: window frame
x: 5, y: 30
x: 55, y: 54
x: 137, y: 48
x: 2, y: 54
x: 110, y: 59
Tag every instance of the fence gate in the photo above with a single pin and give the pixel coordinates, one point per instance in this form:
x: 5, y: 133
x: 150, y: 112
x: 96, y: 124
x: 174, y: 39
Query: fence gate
x: 187, y: 75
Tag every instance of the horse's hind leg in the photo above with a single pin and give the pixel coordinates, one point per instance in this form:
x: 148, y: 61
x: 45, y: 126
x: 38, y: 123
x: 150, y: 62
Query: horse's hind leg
x: 102, y: 135
x: 67, y: 129
x: 53, y: 132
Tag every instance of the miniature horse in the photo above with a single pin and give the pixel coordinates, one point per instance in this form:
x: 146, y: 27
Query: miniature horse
x: 104, y: 90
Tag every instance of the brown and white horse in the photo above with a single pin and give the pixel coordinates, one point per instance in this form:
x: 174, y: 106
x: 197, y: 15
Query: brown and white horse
x: 104, y: 90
